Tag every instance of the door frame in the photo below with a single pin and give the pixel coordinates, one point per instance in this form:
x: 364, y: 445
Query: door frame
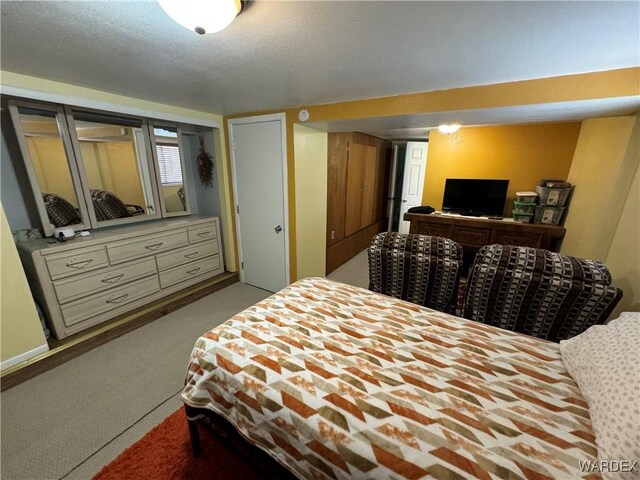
x: 282, y: 118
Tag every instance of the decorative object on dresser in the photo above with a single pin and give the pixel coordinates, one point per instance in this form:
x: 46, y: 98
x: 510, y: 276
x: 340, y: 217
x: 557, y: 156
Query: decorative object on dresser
x: 418, y: 268
x: 93, y: 279
x: 537, y: 292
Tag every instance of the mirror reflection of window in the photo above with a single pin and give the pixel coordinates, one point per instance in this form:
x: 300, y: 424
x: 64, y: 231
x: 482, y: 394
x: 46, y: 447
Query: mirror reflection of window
x: 116, y: 166
x: 170, y: 168
x: 51, y: 166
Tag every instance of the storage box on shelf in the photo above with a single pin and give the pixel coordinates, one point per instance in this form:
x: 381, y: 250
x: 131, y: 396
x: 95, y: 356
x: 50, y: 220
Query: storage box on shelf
x: 524, y: 207
x: 548, y: 215
x: 553, y: 196
x: 527, y: 197
x: 552, y: 201
x: 522, y: 217
x: 89, y: 280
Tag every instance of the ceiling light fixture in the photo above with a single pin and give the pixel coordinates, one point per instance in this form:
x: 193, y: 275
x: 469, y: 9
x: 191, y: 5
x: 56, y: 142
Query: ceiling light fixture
x: 202, y: 16
x: 452, y: 128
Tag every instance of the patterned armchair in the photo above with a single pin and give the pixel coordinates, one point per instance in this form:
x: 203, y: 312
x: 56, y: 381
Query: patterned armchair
x: 108, y: 206
x: 60, y: 211
x: 537, y: 292
x: 418, y: 268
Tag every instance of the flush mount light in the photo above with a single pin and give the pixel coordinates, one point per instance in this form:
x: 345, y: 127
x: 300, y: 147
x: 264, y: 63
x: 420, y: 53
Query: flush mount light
x: 452, y: 128
x: 202, y: 16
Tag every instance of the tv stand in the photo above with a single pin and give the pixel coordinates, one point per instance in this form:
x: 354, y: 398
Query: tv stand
x: 472, y: 233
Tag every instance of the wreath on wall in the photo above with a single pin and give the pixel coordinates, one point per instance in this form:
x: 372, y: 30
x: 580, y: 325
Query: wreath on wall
x: 205, y: 165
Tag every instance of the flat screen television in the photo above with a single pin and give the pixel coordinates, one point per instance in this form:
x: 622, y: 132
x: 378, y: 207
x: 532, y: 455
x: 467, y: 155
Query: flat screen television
x: 476, y: 197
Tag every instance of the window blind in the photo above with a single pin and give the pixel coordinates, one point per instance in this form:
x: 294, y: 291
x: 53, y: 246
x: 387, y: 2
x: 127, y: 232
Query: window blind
x: 169, y: 164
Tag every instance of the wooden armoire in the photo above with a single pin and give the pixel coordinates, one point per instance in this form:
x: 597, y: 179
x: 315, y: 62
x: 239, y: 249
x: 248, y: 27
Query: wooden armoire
x: 358, y: 180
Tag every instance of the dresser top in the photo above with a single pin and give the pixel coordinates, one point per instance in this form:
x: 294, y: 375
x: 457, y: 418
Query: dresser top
x: 109, y: 234
x: 506, y: 224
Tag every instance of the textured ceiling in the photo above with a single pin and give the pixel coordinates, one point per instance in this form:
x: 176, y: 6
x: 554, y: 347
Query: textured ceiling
x: 284, y: 54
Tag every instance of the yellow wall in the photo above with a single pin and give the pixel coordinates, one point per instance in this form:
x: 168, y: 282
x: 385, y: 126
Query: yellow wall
x: 52, y: 168
x: 10, y: 79
x: 623, y: 258
x: 310, y: 147
x: 20, y: 329
x: 602, y: 170
x: 522, y: 154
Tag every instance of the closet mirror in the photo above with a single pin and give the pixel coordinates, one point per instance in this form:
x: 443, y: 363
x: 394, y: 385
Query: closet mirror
x: 166, y: 141
x: 50, y: 165
x: 115, y: 166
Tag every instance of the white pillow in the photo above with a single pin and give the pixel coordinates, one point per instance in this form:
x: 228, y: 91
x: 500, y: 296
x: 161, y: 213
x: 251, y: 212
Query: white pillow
x: 605, y: 363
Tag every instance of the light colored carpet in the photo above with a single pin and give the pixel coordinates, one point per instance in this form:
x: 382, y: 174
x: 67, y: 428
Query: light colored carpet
x: 55, y: 422
x: 71, y: 421
x: 354, y: 272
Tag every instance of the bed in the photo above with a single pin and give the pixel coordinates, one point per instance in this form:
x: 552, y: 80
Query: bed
x: 334, y: 381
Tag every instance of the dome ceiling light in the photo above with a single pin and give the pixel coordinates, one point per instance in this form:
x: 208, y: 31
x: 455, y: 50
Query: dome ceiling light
x: 202, y: 16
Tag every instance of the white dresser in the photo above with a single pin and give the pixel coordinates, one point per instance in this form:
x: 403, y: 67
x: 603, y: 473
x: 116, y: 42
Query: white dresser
x: 88, y: 280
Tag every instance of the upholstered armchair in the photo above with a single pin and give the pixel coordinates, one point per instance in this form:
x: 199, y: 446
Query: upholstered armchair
x: 108, y: 206
x: 60, y: 211
x: 418, y: 268
x: 538, y: 292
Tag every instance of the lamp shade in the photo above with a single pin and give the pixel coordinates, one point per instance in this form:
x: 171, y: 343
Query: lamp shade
x: 202, y: 16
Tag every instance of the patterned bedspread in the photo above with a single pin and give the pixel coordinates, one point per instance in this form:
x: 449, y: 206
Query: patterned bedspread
x: 335, y: 381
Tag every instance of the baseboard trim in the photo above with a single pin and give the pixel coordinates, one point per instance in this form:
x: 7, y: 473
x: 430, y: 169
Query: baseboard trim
x: 61, y: 351
x: 23, y: 357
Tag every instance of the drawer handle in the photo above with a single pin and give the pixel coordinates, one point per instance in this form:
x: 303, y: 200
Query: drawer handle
x: 154, y: 246
x: 79, y: 265
x: 191, y: 255
x: 117, y: 300
x: 193, y: 270
x: 203, y: 234
x: 113, y: 279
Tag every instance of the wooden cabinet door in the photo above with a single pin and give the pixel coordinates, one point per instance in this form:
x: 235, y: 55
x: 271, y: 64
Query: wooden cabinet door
x: 355, y: 183
x: 369, y: 187
x: 336, y: 186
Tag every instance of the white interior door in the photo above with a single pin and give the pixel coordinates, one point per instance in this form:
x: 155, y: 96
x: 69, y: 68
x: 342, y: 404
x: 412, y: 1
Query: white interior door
x: 413, y: 182
x: 259, y: 163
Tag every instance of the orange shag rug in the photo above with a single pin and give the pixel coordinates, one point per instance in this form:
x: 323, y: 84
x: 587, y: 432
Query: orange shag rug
x: 165, y: 453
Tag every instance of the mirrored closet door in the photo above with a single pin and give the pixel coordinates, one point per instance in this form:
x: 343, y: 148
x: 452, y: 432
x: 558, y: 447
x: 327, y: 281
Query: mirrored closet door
x: 166, y: 142
x: 46, y: 148
x: 115, y: 166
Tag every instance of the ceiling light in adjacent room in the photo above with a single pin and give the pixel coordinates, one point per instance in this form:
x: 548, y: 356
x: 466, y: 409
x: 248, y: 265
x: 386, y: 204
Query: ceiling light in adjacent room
x: 452, y: 128
x: 202, y: 16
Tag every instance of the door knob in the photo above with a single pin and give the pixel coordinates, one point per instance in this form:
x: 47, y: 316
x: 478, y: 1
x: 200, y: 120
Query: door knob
x: 278, y: 228
x: 404, y: 201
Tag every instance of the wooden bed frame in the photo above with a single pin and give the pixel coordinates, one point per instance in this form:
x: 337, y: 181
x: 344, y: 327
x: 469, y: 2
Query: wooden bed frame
x: 221, y: 428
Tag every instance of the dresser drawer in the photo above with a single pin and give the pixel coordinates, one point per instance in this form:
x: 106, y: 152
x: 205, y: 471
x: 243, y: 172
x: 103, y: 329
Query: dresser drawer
x: 519, y: 239
x: 81, y: 310
x: 133, y: 249
x: 186, y: 255
x: 434, y: 230
x: 89, y: 283
x: 471, y: 236
x: 202, y: 233
x: 189, y: 271
x: 79, y: 261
